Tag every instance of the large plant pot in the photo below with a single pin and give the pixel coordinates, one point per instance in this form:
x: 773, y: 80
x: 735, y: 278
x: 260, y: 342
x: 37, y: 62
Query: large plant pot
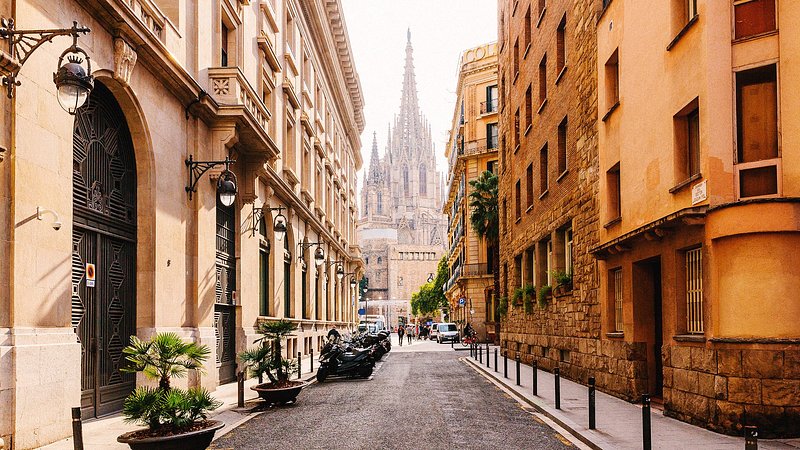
x: 279, y: 396
x: 195, y: 440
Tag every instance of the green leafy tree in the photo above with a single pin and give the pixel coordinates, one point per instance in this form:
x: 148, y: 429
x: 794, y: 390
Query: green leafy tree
x: 430, y: 297
x: 485, y: 220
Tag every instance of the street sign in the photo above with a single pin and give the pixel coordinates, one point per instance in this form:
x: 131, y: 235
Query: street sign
x: 90, y: 275
x: 462, y: 301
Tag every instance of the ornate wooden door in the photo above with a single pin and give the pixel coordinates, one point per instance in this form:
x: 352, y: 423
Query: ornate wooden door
x: 224, y: 308
x: 103, y: 245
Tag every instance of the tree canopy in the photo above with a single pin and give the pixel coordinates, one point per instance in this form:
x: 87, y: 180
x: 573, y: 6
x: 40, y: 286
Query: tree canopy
x: 430, y: 297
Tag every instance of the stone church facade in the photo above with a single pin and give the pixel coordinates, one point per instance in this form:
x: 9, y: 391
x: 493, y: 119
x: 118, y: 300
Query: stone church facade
x: 401, y: 230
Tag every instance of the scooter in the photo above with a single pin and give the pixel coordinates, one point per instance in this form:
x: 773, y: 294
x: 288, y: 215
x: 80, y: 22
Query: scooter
x: 340, y: 361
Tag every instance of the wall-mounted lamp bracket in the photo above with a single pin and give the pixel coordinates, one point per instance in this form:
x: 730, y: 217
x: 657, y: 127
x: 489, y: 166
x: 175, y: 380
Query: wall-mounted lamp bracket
x: 22, y: 43
x: 198, y: 168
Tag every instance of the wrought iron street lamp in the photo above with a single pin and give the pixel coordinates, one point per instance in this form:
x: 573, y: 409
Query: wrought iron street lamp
x: 278, y: 225
x: 226, y: 184
x: 319, y: 253
x: 73, y: 81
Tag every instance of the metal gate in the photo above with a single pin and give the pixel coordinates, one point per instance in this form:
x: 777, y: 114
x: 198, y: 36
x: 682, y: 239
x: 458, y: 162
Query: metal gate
x: 224, y: 309
x: 103, y: 250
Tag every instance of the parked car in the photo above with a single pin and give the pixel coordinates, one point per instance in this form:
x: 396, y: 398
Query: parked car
x: 434, y: 333
x: 447, y: 332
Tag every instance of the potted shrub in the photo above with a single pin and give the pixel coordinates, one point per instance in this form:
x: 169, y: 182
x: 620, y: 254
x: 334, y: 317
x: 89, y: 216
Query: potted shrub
x: 544, y: 295
x: 176, y: 418
x: 529, y: 293
x: 502, y: 308
x: 266, y: 359
x: 518, y: 294
x: 563, y: 282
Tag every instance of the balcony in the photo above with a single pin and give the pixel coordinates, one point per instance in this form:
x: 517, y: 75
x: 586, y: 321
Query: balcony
x: 489, y: 107
x: 453, y: 279
x: 238, y: 100
x: 477, y: 270
x: 479, y: 147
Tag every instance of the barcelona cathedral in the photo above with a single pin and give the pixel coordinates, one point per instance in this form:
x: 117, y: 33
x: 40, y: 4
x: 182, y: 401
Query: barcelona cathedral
x: 402, y: 230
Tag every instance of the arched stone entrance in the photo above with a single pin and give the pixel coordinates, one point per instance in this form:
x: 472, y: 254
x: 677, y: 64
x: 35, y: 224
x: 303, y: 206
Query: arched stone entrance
x: 104, y: 242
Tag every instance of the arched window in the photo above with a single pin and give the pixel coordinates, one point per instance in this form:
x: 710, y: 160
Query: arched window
x: 380, y: 260
x: 380, y: 203
x: 405, y: 180
x: 423, y: 181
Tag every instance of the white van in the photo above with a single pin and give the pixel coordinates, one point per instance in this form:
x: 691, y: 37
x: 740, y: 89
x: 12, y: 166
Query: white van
x: 434, y: 334
x: 447, y: 332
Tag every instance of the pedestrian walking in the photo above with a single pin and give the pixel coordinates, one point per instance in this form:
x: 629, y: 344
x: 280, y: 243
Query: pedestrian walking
x: 410, y: 333
x: 400, y: 332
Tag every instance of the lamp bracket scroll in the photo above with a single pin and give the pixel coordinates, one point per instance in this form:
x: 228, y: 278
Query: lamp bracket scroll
x: 22, y: 43
x: 198, y: 168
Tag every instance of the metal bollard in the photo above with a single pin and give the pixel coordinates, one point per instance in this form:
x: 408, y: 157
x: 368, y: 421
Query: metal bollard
x: 495, y: 360
x: 750, y: 437
x: 518, y: 369
x: 592, y: 424
x: 535, y: 377
x: 312, y: 360
x: 646, y: 438
x: 487, y: 355
x: 240, y: 389
x: 77, y: 428
x: 505, y: 364
x: 480, y: 354
x: 557, y: 373
x: 299, y: 365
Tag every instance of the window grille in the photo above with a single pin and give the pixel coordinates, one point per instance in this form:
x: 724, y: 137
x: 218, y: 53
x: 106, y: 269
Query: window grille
x: 694, y: 291
x: 618, y: 300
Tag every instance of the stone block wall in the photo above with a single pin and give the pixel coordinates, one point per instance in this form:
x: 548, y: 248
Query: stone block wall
x: 725, y: 388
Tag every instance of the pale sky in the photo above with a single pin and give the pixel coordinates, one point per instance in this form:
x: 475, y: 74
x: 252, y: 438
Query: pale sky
x: 440, y: 31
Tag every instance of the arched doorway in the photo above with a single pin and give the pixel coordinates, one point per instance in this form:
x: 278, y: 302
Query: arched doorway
x: 103, y: 245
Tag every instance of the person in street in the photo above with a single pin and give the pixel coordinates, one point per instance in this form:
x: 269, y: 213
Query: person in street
x: 410, y: 333
x: 334, y: 333
x: 400, y: 332
x: 468, y: 331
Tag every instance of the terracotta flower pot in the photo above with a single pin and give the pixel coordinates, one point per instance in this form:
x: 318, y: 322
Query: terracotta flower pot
x: 198, y: 439
x: 279, y: 396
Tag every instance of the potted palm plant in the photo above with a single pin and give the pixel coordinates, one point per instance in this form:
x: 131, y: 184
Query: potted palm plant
x: 175, y: 418
x: 267, y: 359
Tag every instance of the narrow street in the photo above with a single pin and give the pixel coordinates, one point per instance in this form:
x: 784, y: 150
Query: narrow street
x: 420, y: 396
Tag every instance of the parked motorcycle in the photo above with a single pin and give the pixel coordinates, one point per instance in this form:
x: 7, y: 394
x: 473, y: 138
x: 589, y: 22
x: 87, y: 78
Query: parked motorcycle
x: 337, y: 359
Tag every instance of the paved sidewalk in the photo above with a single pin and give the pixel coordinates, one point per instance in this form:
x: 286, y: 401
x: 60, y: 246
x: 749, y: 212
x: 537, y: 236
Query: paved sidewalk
x: 619, y: 423
x: 101, y: 434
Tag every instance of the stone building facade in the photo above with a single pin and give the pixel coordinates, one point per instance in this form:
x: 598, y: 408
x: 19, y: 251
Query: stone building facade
x: 548, y: 193
x: 697, y: 253
x: 268, y: 83
x: 401, y: 200
x: 471, y: 150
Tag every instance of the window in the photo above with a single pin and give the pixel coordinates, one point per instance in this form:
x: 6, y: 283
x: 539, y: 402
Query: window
x: 612, y: 80
x: 687, y: 142
x: 543, y: 178
x: 263, y: 281
x: 491, y: 166
x: 405, y: 181
x: 529, y: 185
x: 561, y: 50
x: 543, y: 80
x: 287, y: 278
x: 290, y: 33
x: 616, y: 276
x: 518, y: 271
x: 757, y: 131
x: 562, y: 146
x: 568, y: 251
x: 530, y: 255
x: 423, y: 182
x: 504, y: 215
x: 491, y: 136
x: 516, y: 58
x: 753, y: 17
x: 380, y: 203
x: 542, y: 6
x: 224, y: 32
x: 304, y: 290
x: 491, y: 100
x: 518, y: 201
x: 694, y: 291
x: 516, y: 130
x: 613, y: 186
x: 528, y: 107
x: 528, y: 28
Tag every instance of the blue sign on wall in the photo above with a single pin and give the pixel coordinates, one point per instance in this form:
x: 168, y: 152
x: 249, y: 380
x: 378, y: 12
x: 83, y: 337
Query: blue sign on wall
x: 361, y: 311
x: 462, y: 301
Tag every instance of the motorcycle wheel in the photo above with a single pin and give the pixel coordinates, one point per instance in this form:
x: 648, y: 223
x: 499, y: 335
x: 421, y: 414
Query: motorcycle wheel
x: 322, y: 374
x: 365, y: 371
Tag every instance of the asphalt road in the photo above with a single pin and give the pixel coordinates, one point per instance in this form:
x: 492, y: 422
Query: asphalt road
x: 418, y: 398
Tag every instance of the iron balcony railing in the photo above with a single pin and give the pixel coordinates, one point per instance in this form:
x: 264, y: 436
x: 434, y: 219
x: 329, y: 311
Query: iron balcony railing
x: 479, y: 146
x: 476, y: 270
x: 489, y: 106
x: 453, y: 278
